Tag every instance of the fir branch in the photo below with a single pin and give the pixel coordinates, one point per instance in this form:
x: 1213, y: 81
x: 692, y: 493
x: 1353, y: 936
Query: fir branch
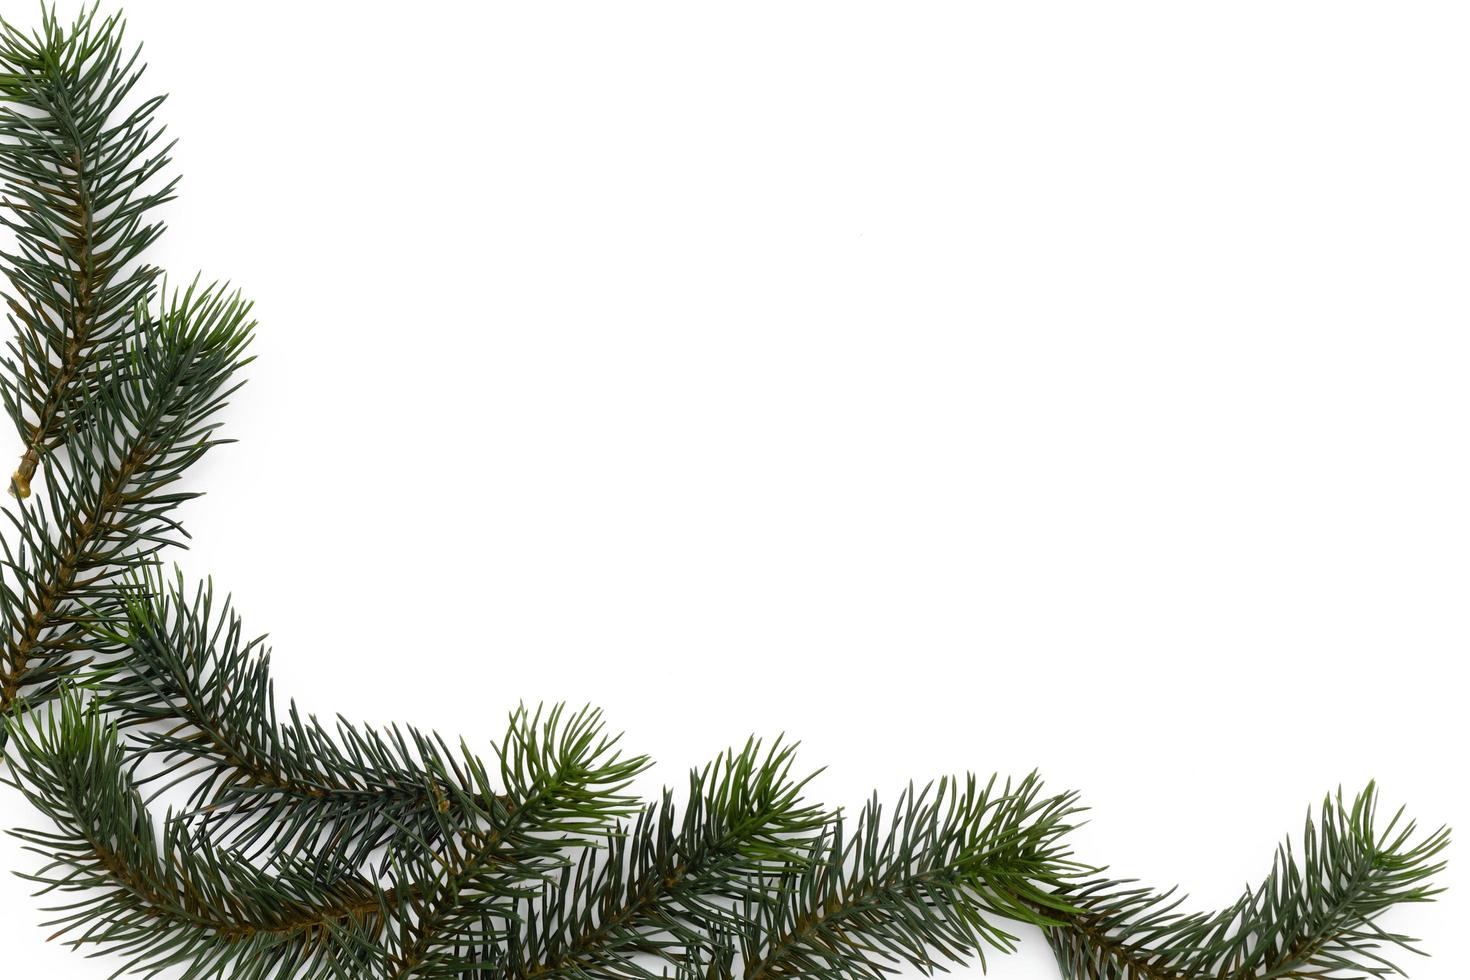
x: 174, y: 902
x: 926, y: 890
x: 268, y: 784
x: 666, y: 884
x: 210, y: 910
x: 111, y: 508
x: 1313, y: 916
x: 76, y: 182
x: 563, y: 781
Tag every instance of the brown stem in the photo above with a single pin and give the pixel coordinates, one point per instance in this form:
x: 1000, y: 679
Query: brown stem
x: 50, y: 596
x: 307, y: 923
x: 84, y: 289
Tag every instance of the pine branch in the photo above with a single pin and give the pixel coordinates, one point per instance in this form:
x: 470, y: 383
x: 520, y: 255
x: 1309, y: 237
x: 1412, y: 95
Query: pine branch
x: 563, y: 785
x: 76, y: 184
x: 1312, y: 917
x: 210, y: 910
x: 926, y: 890
x: 111, y: 508
x: 267, y: 784
x: 667, y: 883
x: 174, y: 901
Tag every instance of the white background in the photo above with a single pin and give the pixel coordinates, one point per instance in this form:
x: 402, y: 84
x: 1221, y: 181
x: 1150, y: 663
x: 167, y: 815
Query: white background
x: 950, y: 386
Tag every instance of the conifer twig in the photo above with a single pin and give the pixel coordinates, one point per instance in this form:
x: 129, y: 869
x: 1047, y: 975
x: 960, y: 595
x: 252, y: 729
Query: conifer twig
x: 77, y: 169
x: 198, y: 694
x: 1315, y: 915
x: 111, y: 507
x: 930, y: 886
x: 564, y: 783
x: 664, y: 885
x: 179, y: 902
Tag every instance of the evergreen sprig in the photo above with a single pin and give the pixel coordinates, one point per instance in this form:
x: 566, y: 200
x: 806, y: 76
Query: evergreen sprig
x: 664, y: 886
x: 1315, y: 915
x: 160, y: 897
x: 78, y: 170
x: 131, y: 437
x: 308, y: 850
x: 197, y: 693
x: 931, y: 883
x: 562, y: 784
